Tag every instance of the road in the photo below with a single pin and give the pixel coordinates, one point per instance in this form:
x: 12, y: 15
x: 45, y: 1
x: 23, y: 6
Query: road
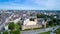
x: 39, y: 31
x: 53, y: 30
x: 36, y: 31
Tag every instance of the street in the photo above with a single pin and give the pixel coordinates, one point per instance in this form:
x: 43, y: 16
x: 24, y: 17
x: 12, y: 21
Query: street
x: 39, y: 31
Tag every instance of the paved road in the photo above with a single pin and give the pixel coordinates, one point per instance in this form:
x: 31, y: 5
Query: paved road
x: 53, y: 30
x: 35, y: 31
x: 38, y: 31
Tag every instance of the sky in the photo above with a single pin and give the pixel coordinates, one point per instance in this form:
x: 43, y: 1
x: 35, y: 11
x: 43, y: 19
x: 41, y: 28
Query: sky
x: 30, y: 4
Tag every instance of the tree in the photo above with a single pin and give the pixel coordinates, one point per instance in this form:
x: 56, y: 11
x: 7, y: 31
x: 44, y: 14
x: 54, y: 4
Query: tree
x: 17, y: 26
x: 51, y: 23
x: 31, y: 19
x: 5, y: 32
x: 11, y: 26
x: 56, y: 21
x: 41, y: 16
x: 17, y: 32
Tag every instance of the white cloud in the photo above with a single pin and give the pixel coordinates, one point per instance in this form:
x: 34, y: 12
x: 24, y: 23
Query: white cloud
x: 50, y: 4
x: 37, y: 4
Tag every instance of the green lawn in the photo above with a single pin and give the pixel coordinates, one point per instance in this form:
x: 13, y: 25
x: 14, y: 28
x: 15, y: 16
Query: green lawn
x: 58, y: 31
x: 45, y: 33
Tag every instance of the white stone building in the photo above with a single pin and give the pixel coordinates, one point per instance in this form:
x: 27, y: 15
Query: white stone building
x: 28, y: 24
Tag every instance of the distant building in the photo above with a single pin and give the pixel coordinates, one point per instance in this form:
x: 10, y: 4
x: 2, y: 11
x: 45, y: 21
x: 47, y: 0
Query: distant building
x: 15, y: 18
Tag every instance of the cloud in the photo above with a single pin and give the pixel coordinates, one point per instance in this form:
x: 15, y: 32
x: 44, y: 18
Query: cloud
x: 30, y: 4
x: 50, y: 4
x: 53, y: 4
